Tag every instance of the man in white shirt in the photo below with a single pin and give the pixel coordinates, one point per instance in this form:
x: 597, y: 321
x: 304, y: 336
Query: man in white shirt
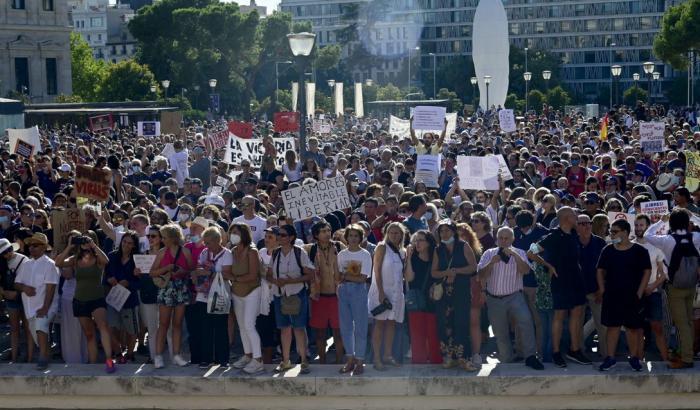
x: 256, y: 223
x: 178, y: 163
x: 38, y: 279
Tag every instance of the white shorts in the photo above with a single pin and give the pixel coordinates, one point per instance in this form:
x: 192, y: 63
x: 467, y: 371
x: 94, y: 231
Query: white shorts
x: 40, y: 324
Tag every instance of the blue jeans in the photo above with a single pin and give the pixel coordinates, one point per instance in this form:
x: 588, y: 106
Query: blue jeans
x: 353, y: 315
x: 546, y: 318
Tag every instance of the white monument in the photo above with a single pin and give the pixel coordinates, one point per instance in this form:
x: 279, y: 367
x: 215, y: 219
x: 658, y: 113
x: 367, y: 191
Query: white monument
x: 490, y: 50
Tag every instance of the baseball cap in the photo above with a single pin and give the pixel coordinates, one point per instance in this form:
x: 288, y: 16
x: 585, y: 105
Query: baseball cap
x: 273, y: 229
x: 64, y: 168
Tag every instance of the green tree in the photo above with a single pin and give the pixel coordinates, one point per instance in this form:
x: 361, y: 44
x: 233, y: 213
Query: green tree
x: 324, y: 102
x: 63, y: 98
x: 537, y: 62
x: 454, y: 73
x: 679, y: 34
x: 557, y: 97
x: 536, y: 99
x: 284, y: 100
x: 87, y: 72
x: 634, y: 94
x: 677, y: 90
x: 513, y: 102
x: 126, y: 80
x: 389, y: 92
x: 454, y: 104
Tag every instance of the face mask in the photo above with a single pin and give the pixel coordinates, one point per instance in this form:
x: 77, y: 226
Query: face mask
x: 428, y: 215
x: 195, y: 238
x: 235, y: 239
x: 615, y: 241
x: 136, y: 169
x: 183, y: 217
x: 448, y: 241
x: 676, y: 180
x: 575, y: 162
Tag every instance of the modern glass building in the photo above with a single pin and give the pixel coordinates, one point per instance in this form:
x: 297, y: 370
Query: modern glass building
x: 589, y: 35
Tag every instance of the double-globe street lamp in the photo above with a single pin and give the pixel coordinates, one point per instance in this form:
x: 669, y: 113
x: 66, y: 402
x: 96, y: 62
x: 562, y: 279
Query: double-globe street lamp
x: 301, y: 45
x: 474, y: 82
x: 527, y: 76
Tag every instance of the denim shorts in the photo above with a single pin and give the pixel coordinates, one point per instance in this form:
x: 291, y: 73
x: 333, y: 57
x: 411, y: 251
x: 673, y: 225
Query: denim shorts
x: 295, y: 321
x: 653, y: 307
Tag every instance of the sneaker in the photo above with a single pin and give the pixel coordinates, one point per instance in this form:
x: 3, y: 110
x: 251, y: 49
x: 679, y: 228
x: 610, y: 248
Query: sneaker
x: 158, y: 362
x: 534, y: 363
x: 635, y: 364
x: 42, y: 364
x: 284, y: 366
x: 204, y: 365
x: 305, y: 369
x: 109, y: 366
x: 558, y: 360
x: 578, y: 357
x: 241, y: 362
x: 178, y: 360
x: 607, y: 364
x: 254, y: 366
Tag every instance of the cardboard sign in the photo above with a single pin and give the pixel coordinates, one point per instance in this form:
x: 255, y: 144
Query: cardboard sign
x: 427, y: 118
x: 506, y: 119
x: 286, y: 121
x: 614, y: 216
x: 653, y: 208
x: 144, y: 262
x: 170, y: 122
x: 218, y: 139
x: 24, y: 149
x: 221, y: 181
x: 92, y: 183
x: 478, y: 172
x: 64, y: 221
x: 101, y: 122
x: 503, y: 168
x: 428, y: 170
x: 240, y: 129
x: 652, y: 136
x: 451, y: 118
x: 215, y: 190
x: 30, y: 136
x: 692, y: 170
x: 399, y: 127
x: 239, y: 149
x: 117, y: 296
x: 317, y: 199
x: 148, y: 128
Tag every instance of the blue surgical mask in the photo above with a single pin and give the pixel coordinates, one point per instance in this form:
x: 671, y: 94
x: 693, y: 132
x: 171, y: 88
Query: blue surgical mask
x: 194, y: 238
x: 449, y: 241
x: 615, y: 241
x: 575, y: 161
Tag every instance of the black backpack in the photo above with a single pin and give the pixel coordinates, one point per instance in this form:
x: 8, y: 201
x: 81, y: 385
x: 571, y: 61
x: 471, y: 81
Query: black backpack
x: 683, y: 268
x: 314, y: 250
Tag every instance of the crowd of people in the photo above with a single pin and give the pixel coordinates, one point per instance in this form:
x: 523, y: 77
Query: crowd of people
x: 409, y: 273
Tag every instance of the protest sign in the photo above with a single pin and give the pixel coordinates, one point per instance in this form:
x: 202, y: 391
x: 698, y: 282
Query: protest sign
x: 221, y: 181
x: 478, y: 172
x: 654, y: 208
x: 506, y: 119
x: 240, y: 129
x: 503, y: 168
x: 168, y: 150
x: 215, y: 190
x: 451, y: 128
x: 30, y: 137
x: 101, y: 122
x: 117, y: 296
x: 148, y: 128
x: 317, y: 199
x: 218, y: 139
x: 651, y: 136
x: 239, y: 149
x: 428, y: 170
x: 92, y: 183
x: 614, y: 216
x: 24, y: 149
x: 692, y: 170
x: 399, y: 127
x: 144, y: 262
x: 286, y: 121
x: 63, y: 221
x: 170, y: 122
x: 428, y: 117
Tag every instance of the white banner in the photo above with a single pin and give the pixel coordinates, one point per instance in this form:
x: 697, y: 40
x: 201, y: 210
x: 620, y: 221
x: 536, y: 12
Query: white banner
x: 148, y: 128
x: 654, y: 208
x: 428, y: 117
x: 239, y: 149
x: 506, y: 120
x: 399, y: 127
x: 339, y: 109
x: 478, y: 172
x: 451, y: 118
x: 310, y: 99
x: 27, y: 136
x: 504, y: 170
x: 428, y: 170
x: 359, y: 101
x: 144, y: 262
x: 651, y: 136
x: 295, y: 95
x: 317, y: 199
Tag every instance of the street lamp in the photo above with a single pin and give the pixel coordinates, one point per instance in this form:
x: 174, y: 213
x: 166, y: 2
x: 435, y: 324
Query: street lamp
x: 166, y: 84
x: 277, y: 79
x: 474, y: 81
x: 527, y: 76
x: 546, y: 75
x: 301, y: 45
x: 648, y: 70
x: 487, y: 81
x: 615, y: 70
x: 656, y: 75
x: 213, y: 100
x: 409, y: 66
x: 196, y: 94
x: 369, y: 82
x: 331, y: 84
x: 434, y: 67
x: 153, y: 90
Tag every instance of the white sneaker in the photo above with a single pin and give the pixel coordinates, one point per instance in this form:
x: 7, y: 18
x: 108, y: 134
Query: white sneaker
x: 158, y: 362
x: 242, y: 362
x: 253, y: 367
x: 178, y: 360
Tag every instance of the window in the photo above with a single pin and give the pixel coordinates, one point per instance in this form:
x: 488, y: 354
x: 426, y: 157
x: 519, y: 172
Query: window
x: 99, y: 37
x: 619, y: 24
x: 47, y: 5
x: 22, y: 75
x: 96, y: 22
x: 539, y: 27
x: 51, y: 77
x: 645, y: 23
x: 18, y: 4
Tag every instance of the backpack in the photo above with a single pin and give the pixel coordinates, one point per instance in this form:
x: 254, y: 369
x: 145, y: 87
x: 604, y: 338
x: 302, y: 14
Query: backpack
x: 683, y: 268
x: 314, y: 250
x: 276, y: 255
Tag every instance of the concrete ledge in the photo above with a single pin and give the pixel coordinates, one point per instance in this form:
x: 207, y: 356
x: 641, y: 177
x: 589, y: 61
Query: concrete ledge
x: 510, y: 386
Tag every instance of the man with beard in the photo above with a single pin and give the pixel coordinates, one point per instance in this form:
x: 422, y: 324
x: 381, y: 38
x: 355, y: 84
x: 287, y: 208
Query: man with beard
x: 427, y: 147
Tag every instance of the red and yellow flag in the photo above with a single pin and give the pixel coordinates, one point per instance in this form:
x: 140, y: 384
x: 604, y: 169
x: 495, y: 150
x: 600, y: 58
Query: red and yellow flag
x: 604, y: 128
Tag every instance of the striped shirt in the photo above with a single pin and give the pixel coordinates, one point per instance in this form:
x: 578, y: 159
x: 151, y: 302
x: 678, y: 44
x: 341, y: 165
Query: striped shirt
x: 504, y: 279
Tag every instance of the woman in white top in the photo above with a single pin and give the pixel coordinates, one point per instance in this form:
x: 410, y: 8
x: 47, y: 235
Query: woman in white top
x: 387, y: 289
x: 265, y: 324
x: 291, y: 167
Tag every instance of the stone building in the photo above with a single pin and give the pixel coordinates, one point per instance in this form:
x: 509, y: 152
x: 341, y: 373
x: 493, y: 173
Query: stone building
x: 35, y: 49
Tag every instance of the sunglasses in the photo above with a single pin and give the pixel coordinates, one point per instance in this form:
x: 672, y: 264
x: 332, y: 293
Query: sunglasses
x: 153, y: 235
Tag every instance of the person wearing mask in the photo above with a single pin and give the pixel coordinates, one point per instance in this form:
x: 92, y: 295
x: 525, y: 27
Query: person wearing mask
x: 354, y: 268
x: 265, y: 323
x: 10, y: 261
x: 624, y: 269
x: 256, y: 222
x: 502, y: 270
x: 89, y: 305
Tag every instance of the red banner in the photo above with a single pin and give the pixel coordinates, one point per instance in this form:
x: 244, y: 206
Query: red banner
x: 241, y: 129
x: 287, y: 121
x: 101, y: 122
x: 218, y: 139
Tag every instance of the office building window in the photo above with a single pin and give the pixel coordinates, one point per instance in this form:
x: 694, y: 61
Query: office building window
x: 17, y: 4
x: 22, y: 75
x: 51, y: 77
x: 47, y: 5
x: 96, y: 22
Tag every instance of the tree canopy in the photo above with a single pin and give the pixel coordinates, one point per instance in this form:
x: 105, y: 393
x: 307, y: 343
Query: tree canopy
x: 679, y: 34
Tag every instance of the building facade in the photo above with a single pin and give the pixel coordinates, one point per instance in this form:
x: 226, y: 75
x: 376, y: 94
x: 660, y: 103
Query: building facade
x: 588, y: 35
x: 104, y: 27
x: 35, y: 49
x: 262, y: 10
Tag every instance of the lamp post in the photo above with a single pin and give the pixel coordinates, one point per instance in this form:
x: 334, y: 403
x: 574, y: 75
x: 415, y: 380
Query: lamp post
x: 546, y: 75
x: 474, y: 81
x: 527, y: 76
x: 434, y: 67
x: 153, y: 91
x: 648, y: 70
x: 656, y: 75
x: 615, y: 70
x: 277, y: 79
x: 301, y: 45
x: 213, y: 99
x: 487, y: 81
x: 612, y: 61
x: 331, y: 84
x: 409, y: 66
x: 196, y: 95
x: 369, y: 82
x: 166, y: 84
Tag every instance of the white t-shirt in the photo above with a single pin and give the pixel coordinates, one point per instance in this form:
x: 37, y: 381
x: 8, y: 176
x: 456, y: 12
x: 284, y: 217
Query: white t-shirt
x: 178, y: 163
x: 361, y: 257
x: 257, y: 226
x: 38, y: 273
x: 221, y: 259
x: 292, y: 175
x: 289, y: 269
x: 656, y: 256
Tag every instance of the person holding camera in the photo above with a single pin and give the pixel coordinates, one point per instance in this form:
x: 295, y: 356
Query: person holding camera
x: 89, y: 305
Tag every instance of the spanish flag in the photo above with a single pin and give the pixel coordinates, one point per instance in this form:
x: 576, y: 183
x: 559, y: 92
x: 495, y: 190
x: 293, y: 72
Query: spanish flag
x: 604, y: 128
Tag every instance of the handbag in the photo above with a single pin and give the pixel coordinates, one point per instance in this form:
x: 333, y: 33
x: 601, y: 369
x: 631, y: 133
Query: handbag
x: 416, y: 299
x: 219, y: 298
x: 163, y: 280
x: 290, y: 305
x: 437, y: 290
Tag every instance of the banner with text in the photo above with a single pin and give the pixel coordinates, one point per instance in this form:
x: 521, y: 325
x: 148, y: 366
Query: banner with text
x: 238, y: 149
x: 317, y: 199
x: 651, y: 136
x: 148, y: 128
x: 428, y: 117
x: 92, y: 183
x: 428, y: 170
x: 24, y: 141
x: 399, y: 127
x: 241, y: 129
x: 287, y: 121
x: 692, y: 170
x: 218, y: 139
x: 101, y: 122
x: 478, y: 172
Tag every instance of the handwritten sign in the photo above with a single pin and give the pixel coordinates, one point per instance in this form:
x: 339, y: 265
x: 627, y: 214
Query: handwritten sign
x: 426, y: 117
x: 218, y: 139
x: 692, y: 170
x: 651, y: 136
x: 316, y: 199
x: 506, y: 119
x: 29, y: 136
x: 117, y: 296
x: 215, y: 190
x: 144, y: 262
x: 221, y: 181
x: 253, y: 150
x: 614, y: 216
x: 428, y: 170
x: 92, y: 183
x: 478, y: 172
x: 654, y: 208
x: 63, y: 221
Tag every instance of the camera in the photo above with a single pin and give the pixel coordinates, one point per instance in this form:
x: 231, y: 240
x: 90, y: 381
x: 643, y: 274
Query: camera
x: 79, y: 240
x: 383, y: 307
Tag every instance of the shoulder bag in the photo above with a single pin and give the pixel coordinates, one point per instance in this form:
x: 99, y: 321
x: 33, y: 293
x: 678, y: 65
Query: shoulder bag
x: 163, y: 280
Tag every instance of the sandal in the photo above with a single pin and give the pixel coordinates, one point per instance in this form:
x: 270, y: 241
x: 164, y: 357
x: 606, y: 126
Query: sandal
x: 467, y: 365
x: 349, y: 367
x: 359, y: 368
x: 389, y: 361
